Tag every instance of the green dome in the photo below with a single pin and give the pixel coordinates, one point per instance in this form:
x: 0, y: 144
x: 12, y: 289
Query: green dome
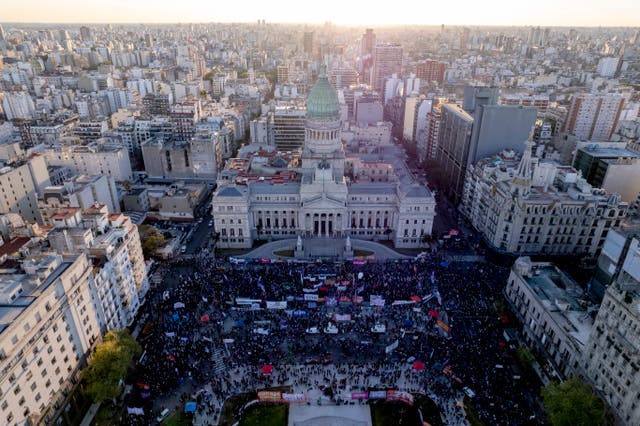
x: 323, y: 99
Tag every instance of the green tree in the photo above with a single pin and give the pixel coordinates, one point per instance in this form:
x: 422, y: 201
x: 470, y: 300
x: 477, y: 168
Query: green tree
x: 573, y: 402
x: 150, y: 239
x: 525, y: 356
x: 109, y: 365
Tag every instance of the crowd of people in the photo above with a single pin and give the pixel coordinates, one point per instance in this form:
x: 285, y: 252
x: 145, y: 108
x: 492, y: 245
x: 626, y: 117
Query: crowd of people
x: 418, y: 325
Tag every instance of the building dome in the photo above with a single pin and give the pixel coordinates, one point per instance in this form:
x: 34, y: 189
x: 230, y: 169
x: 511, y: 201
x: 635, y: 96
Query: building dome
x: 323, y: 99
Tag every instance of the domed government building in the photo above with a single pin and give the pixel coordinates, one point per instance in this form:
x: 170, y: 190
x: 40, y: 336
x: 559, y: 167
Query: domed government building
x: 323, y: 200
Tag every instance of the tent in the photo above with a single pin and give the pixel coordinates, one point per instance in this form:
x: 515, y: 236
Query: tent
x: 415, y: 298
x: 178, y: 305
x: 204, y: 318
x: 190, y: 407
x: 444, y: 264
x: 267, y: 370
x: 433, y: 313
x: 418, y: 365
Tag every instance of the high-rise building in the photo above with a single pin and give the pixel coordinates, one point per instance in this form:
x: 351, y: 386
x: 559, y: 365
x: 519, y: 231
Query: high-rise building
x: 454, y: 138
x: 343, y: 77
x: 283, y: 73
x: 368, y: 42
x: 368, y: 108
x: 85, y: 33
x: 18, y: 105
x: 387, y: 60
x: 479, y: 95
x: 431, y: 71
x: 593, y: 117
x: 288, y: 128
x: 499, y: 127
x: 49, y: 325
x: 20, y: 186
x: 366, y: 55
x: 307, y: 42
x: 431, y: 139
x: 184, y: 116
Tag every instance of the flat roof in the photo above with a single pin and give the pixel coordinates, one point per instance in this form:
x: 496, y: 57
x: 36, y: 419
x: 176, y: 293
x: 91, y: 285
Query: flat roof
x: 553, y: 287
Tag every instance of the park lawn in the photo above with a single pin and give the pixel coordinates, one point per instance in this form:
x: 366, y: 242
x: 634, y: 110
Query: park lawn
x: 177, y: 419
x: 394, y: 413
x: 232, y: 406
x: 266, y: 414
x: 284, y: 253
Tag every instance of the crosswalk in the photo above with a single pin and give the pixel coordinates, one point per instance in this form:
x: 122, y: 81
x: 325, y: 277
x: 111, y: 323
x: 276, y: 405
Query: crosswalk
x: 218, y: 361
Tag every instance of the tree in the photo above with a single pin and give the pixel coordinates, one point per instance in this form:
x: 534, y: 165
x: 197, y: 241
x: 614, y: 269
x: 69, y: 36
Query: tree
x: 150, y: 239
x: 573, y: 402
x: 525, y: 356
x: 109, y: 365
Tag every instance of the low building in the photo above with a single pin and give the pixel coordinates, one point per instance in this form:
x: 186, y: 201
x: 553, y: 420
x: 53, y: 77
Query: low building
x: 553, y: 310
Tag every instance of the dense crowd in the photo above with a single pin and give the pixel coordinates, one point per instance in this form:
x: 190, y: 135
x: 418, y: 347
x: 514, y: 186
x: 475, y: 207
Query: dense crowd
x: 212, y: 329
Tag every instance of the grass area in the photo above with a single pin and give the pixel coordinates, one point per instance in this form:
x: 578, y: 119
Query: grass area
x: 231, y: 408
x: 472, y: 414
x: 266, y: 414
x: 178, y: 418
x: 393, y: 413
x: 284, y: 253
x: 362, y: 253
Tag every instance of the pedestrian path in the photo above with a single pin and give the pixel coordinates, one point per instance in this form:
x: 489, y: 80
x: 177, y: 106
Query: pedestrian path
x: 323, y: 248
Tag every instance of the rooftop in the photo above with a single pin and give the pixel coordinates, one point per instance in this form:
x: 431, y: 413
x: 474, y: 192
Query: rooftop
x: 562, y: 298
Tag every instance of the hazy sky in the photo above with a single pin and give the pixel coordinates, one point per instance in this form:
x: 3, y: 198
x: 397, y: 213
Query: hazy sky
x: 350, y: 12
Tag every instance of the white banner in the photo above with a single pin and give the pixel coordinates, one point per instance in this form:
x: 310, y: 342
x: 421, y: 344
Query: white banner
x: 294, y: 397
x: 246, y: 301
x: 377, y: 394
x: 377, y: 302
x: 391, y: 347
x: 277, y: 305
x: 311, y: 297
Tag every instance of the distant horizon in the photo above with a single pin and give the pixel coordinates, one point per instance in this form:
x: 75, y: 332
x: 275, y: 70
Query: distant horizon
x: 501, y: 13
x: 315, y: 24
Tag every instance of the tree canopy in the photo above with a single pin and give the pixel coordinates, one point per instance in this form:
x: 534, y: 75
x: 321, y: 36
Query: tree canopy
x: 109, y: 365
x: 150, y: 239
x: 573, y: 402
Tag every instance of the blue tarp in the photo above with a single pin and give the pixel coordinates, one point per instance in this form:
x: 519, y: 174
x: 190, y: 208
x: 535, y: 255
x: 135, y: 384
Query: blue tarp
x: 444, y: 264
x: 190, y: 407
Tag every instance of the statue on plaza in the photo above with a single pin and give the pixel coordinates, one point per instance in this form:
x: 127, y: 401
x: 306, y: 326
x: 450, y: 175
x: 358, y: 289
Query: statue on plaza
x: 347, y: 245
x: 299, y: 243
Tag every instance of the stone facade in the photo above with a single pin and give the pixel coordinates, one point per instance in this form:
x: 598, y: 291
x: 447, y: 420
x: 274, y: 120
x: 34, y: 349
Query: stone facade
x: 538, y: 208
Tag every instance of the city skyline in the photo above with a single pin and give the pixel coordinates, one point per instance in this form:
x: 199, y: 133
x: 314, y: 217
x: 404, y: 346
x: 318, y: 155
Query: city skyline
x: 592, y: 13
